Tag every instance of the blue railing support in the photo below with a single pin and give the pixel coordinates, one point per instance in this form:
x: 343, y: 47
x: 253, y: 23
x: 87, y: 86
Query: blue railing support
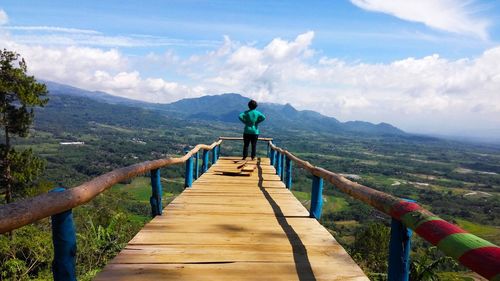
x: 204, y: 166
x: 218, y: 151
x: 271, y: 156
x: 316, y: 198
x: 155, y: 199
x: 197, y: 166
x: 288, y: 176
x: 188, y: 181
x: 282, y: 169
x: 214, y: 155
x: 278, y: 163
x: 269, y: 150
x: 64, y: 241
x: 399, y: 251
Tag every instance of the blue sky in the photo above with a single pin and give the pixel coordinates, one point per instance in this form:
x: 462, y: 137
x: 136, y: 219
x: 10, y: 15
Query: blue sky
x: 423, y: 65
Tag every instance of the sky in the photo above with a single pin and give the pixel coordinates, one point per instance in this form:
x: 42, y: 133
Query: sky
x: 425, y: 66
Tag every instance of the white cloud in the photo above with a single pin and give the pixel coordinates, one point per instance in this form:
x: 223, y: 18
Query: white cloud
x: 51, y: 29
x: 64, y: 36
x: 429, y: 94
x: 3, y: 17
x: 449, y: 15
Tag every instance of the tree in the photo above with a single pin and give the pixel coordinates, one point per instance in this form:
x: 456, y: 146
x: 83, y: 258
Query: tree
x: 19, y: 94
x: 371, y: 247
x: 426, y: 263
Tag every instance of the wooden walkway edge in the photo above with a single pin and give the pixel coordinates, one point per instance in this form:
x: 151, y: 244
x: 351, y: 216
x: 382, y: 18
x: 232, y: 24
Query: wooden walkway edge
x: 228, y: 227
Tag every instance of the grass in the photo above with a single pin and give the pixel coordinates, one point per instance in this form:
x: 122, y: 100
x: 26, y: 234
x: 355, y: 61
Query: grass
x: 140, y: 188
x: 454, y: 276
x: 116, y: 128
x: 316, y: 155
x: 490, y: 233
x: 330, y: 203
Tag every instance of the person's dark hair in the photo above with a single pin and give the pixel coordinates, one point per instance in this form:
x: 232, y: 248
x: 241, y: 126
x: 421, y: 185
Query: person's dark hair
x: 252, y: 104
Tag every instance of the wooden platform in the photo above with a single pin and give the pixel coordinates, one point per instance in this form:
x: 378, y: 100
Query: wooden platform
x: 234, y: 228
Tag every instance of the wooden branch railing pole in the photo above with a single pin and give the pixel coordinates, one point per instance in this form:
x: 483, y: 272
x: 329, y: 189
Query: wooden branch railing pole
x: 188, y: 181
x: 29, y: 210
x: 471, y: 251
x: 155, y: 199
x: 316, y: 198
x: 64, y: 241
x: 204, y: 166
x: 288, y: 181
x: 218, y: 151
x: 197, y: 165
x: 271, y: 156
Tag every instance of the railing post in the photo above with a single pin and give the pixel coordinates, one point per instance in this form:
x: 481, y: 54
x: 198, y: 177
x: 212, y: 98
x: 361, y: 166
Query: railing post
x: 188, y: 181
x: 214, y: 155
x: 271, y: 156
x: 64, y: 241
x: 268, y: 149
x: 218, y: 151
x: 278, y: 163
x: 155, y: 199
x: 316, y: 198
x: 288, y: 181
x: 197, y: 166
x: 282, y: 169
x: 399, y: 251
x: 204, y: 166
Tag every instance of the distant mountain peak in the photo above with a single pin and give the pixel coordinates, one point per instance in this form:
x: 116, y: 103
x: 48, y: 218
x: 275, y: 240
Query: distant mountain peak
x: 226, y: 107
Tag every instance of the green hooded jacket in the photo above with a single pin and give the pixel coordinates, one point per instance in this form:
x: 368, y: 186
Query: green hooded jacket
x: 251, y: 119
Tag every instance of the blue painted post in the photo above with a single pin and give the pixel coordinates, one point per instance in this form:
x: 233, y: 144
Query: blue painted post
x: 271, y: 156
x: 288, y: 181
x: 204, y: 166
x: 155, y: 199
x: 188, y: 181
x: 268, y: 150
x: 278, y: 163
x: 316, y: 198
x: 218, y: 151
x: 214, y: 155
x: 399, y: 251
x: 197, y: 165
x: 282, y: 169
x: 64, y: 241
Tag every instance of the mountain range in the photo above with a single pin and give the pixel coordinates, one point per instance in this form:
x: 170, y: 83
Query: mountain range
x: 226, y: 107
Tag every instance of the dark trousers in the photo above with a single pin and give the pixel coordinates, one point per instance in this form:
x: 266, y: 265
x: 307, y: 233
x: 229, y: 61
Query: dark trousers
x: 247, y: 139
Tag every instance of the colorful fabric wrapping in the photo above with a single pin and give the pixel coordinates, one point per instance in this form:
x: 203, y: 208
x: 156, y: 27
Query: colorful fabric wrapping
x: 475, y: 253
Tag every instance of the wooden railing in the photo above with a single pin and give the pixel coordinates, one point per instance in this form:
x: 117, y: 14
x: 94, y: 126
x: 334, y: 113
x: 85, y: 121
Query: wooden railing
x: 60, y: 201
x: 473, y: 252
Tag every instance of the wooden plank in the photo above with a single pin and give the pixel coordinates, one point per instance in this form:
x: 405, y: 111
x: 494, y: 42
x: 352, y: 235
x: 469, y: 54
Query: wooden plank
x: 246, y: 271
x: 230, y: 228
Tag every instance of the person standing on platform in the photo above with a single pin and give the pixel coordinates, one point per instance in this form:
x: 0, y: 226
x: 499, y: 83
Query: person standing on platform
x: 251, y: 118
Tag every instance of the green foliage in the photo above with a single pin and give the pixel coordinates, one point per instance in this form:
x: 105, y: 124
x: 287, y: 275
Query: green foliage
x: 371, y: 247
x: 19, y: 93
x: 425, y: 265
x: 27, y: 254
x: 97, y: 244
